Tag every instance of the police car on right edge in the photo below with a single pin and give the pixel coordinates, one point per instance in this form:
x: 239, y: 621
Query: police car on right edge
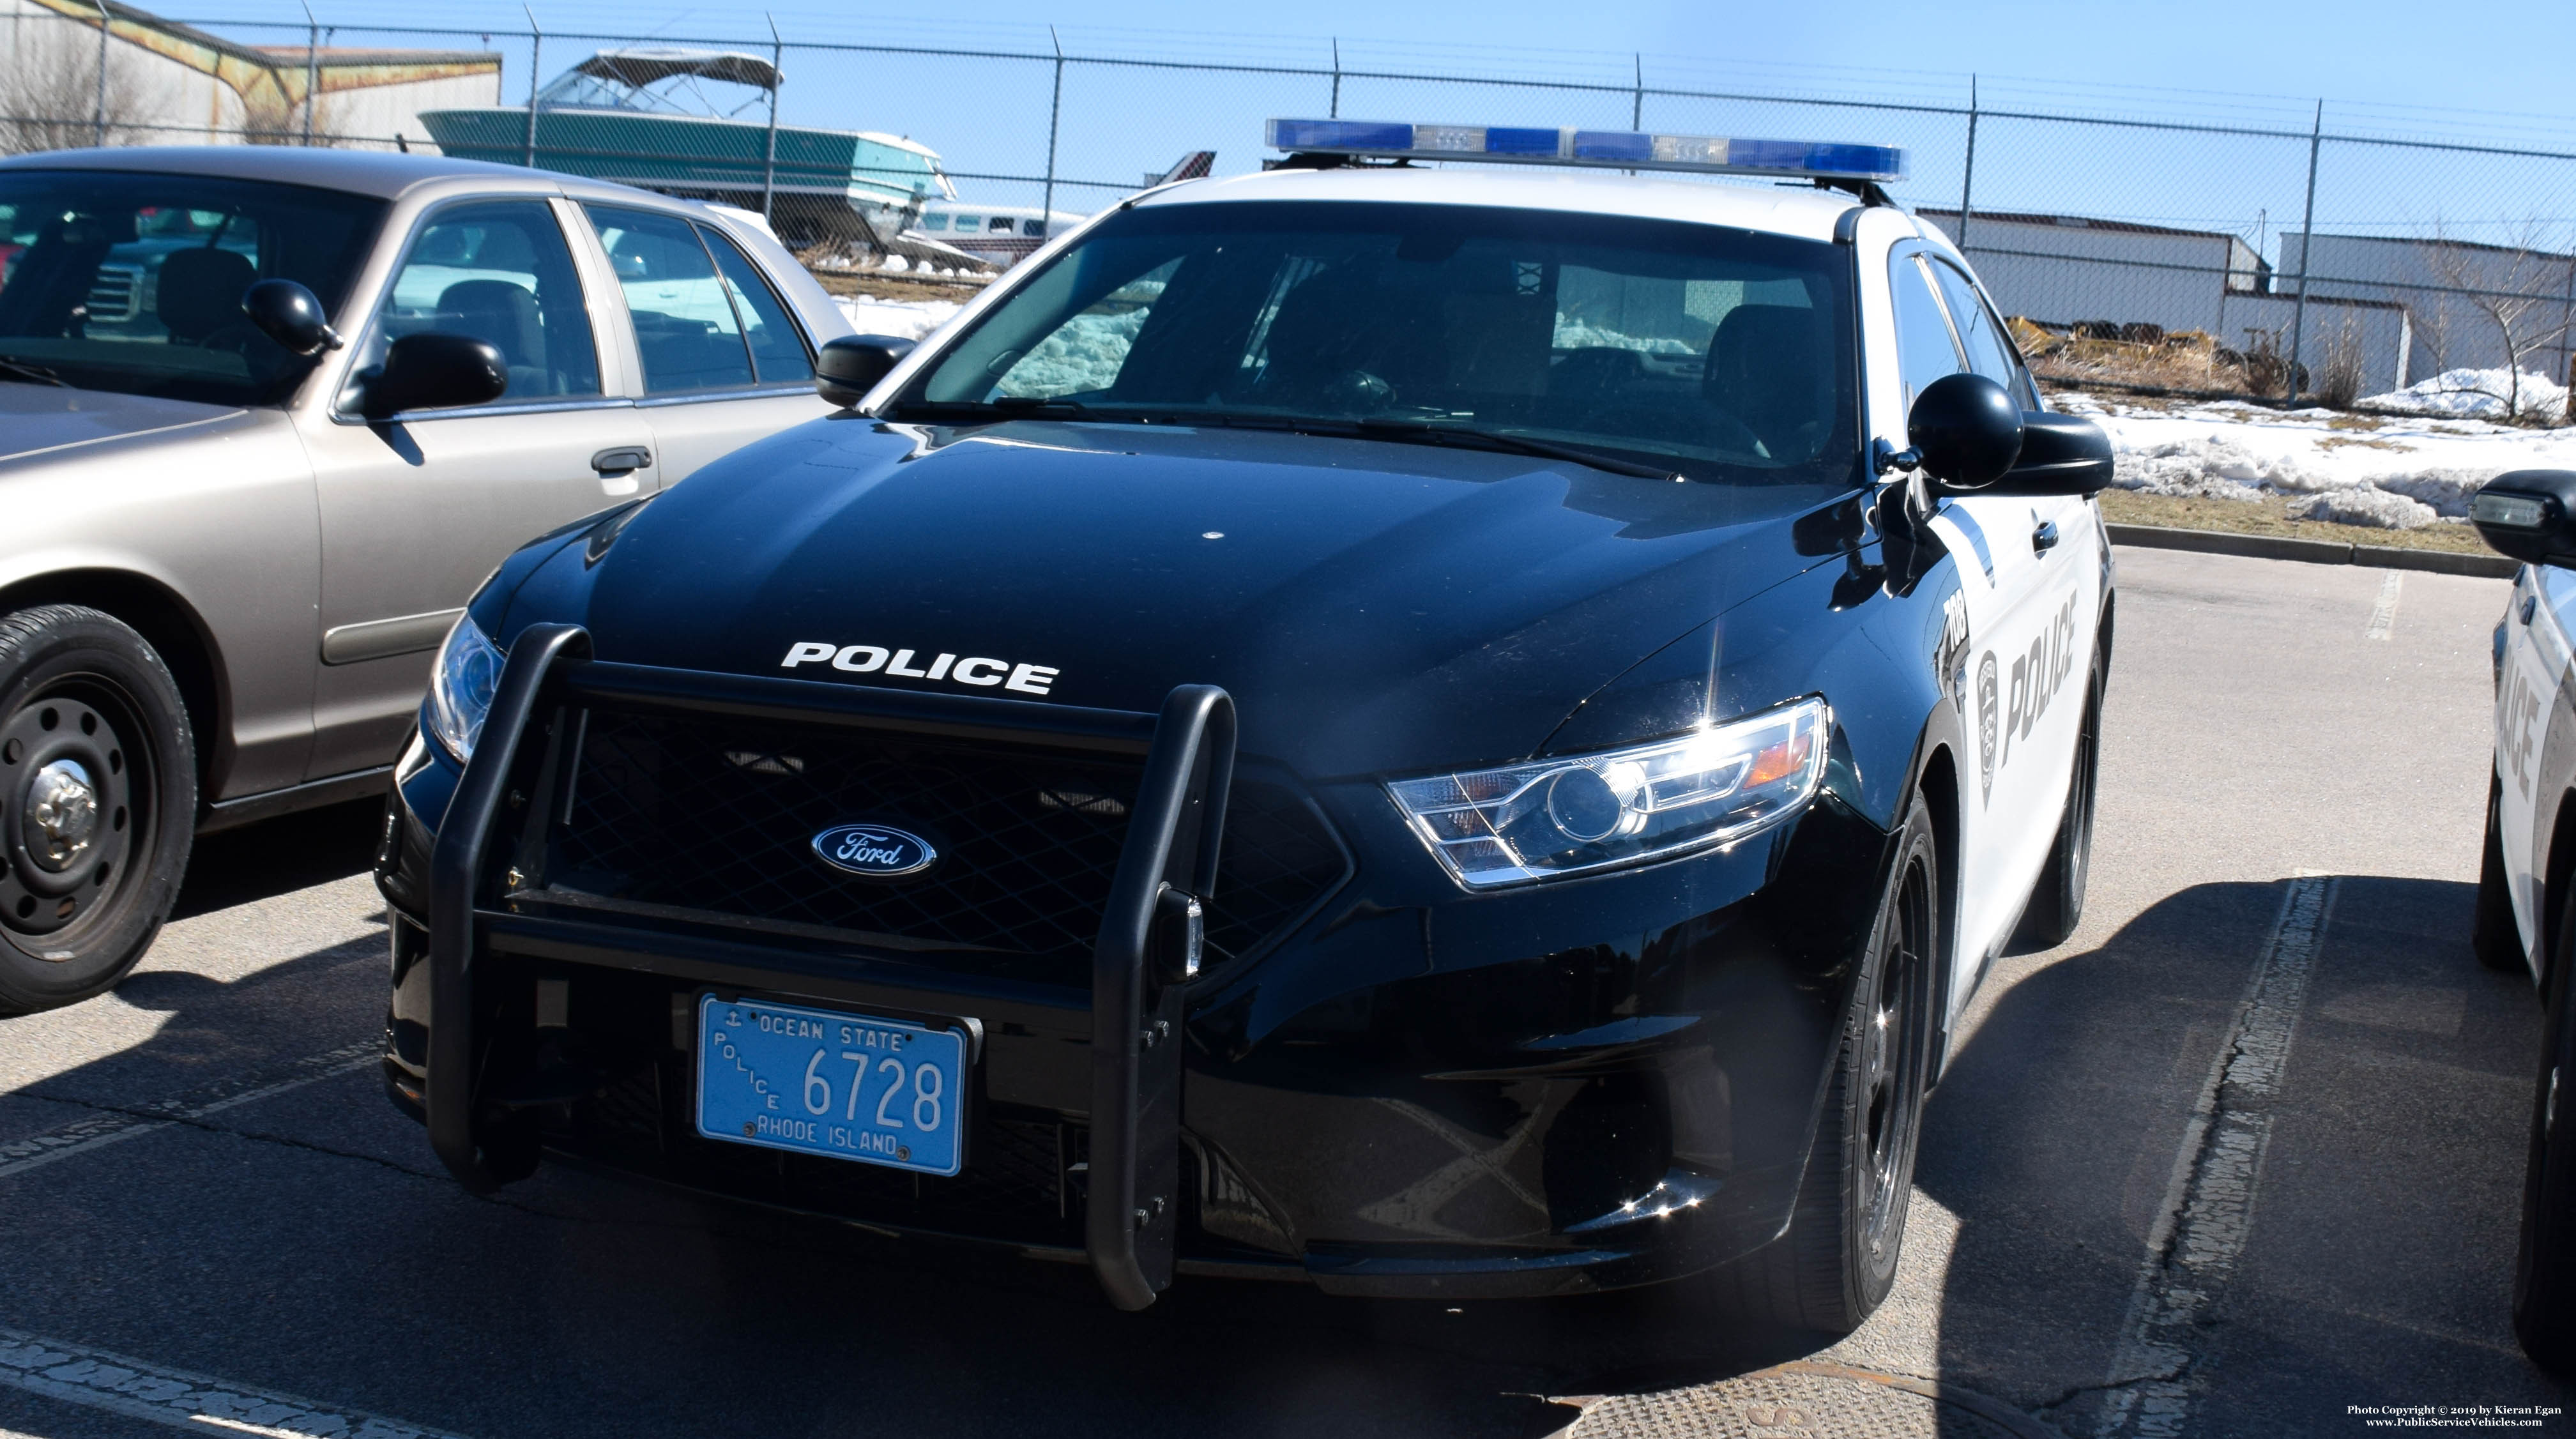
x: 2526, y: 910
x: 1434, y: 729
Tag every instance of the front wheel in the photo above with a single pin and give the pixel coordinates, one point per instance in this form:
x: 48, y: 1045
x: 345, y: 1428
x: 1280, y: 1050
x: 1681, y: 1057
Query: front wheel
x: 2492, y: 936
x: 2544, y: 1266
x: 98, y: 799
x: 1838, y: 1259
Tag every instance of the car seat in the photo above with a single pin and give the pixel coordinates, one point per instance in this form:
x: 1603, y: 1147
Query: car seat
x: 201, y: 292
x: 1767, y: 369
x: 503, y: 315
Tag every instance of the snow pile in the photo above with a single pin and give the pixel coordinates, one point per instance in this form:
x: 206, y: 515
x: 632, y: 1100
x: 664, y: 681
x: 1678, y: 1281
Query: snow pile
x: 2216, y: 467
x: 2476, y: 394
x: 1083, y: 355
x: 1573, y: 334
x: 2395, y: 473
x: 903, y: 319
x: 2364, y: 506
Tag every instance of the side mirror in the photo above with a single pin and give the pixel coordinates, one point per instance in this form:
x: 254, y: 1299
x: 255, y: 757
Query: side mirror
x: 433, y: 371
x: 289, y: 314
x: 2060, y: 455
x: 1966, y: 430
x: 2529, y: 515
x: 850, y: 366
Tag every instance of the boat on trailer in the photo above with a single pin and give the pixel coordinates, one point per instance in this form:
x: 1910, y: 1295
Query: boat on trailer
x: 698, y: 123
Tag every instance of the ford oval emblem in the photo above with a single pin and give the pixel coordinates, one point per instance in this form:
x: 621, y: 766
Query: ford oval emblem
x: 874, y: 851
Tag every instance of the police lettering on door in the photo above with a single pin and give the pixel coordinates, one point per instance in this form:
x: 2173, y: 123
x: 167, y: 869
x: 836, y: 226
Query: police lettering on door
x: 2036, y: 678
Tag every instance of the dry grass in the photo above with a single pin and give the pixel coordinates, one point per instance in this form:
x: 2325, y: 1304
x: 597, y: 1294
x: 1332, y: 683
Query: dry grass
x: 898, y: 287
x: 2271, y: 517
x: 2184, y: 360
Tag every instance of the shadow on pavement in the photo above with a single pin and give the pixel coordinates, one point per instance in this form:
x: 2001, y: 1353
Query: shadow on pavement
x: 279, y: 856
x: 2380, y: 1231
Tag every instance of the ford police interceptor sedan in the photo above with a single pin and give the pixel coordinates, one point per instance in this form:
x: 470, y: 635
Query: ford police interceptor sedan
x: 2526, y: 910
x: 1449, y: 731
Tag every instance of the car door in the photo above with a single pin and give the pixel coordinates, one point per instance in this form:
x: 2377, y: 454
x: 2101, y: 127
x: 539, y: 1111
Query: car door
x: 2535, y: 667
x: 418, y: 509
x: 2043, y: 688
x: 724, y: 361
x: 2007, y: 602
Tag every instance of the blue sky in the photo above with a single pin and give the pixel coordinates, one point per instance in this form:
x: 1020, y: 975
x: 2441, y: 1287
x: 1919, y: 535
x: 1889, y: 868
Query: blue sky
x: 2495, y: 75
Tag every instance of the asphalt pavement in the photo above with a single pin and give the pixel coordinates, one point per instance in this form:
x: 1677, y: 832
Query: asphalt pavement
x: 2243, y: 1157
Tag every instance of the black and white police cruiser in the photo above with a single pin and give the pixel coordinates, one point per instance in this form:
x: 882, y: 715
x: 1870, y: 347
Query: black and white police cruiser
x: 2526, y: 912
x: 1444, y: 729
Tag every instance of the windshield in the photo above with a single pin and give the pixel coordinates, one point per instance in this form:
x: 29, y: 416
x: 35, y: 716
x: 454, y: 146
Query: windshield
x: 1718, y: 354
x: 133, y: 282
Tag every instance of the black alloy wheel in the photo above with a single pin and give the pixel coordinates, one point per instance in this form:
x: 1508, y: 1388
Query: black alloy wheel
x: 2494, y: 938
x: 2544, y: 1266
x: 2057, y: 900
x: 1837, y: 1261
x: 97, y: 803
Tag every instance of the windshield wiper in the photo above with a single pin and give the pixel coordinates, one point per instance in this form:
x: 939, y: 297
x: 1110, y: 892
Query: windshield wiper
x: 1372, y: 427
x: 32, y: 374
x: 1437, y: 432
x: 1007, y: 407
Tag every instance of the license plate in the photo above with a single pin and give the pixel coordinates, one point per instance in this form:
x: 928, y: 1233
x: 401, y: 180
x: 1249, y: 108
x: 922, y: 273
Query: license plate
x: 820, y: 1081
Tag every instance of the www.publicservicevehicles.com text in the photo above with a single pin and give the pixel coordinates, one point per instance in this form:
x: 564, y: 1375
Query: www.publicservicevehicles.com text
x: 2453, y: 1416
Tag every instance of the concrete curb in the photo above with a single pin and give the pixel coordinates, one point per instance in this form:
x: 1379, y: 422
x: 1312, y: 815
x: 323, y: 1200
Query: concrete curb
x: 2315, y: 552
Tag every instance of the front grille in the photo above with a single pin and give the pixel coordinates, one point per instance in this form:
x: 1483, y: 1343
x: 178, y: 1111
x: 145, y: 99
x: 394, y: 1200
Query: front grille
x: 718, y: 816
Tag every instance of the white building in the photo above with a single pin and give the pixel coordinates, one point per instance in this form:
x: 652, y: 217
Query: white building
x: 2456, y: 291
x: 2065, y: 270
x: 172, y: 84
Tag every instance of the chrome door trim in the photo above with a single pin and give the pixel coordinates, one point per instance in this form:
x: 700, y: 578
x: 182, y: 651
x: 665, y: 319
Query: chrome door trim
x: 713, y: 397
x: 383, y: 639
x: 468, y: 412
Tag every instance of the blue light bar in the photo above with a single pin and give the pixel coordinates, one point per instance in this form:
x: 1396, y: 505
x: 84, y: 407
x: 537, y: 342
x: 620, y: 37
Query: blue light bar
x: 1609, y: 149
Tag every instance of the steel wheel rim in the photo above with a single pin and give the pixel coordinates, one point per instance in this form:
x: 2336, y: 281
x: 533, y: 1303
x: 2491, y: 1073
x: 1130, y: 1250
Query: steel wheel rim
x: 1892, y: 1062
x: 76, y: 797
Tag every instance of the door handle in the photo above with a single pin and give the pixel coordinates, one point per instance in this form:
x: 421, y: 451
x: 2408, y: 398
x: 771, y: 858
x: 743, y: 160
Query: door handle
x: 2044, y: 538
x: 622, y: 460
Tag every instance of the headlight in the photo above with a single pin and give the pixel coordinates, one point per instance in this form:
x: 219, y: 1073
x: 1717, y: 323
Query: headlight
x: 460, y: 687
x: 1578, y: 813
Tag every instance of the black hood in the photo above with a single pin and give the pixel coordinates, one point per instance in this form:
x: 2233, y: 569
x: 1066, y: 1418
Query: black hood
x: 1371, y: 606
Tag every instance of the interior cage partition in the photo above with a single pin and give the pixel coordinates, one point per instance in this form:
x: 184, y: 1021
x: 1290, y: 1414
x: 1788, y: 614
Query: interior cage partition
x: 517, y: 778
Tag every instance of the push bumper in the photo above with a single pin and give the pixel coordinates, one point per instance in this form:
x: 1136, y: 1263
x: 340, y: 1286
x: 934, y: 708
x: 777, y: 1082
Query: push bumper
x: 1606, y: 1084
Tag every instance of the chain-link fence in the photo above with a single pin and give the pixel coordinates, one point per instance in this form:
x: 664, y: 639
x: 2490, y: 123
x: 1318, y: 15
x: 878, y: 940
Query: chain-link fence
x: 2182, y: 243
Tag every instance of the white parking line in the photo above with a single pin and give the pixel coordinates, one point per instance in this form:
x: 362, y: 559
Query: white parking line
x: 2383, y: 616
x: 99, y: 1130
x: 2208, y: 1209
x: 175, y: 1397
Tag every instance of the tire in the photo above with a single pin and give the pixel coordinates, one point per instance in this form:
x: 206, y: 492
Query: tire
x: 98, y: 803
x: 1837, y: 1260
x: 2497, y: 942
x: 2057, y: 901
x: 2544, y: 1266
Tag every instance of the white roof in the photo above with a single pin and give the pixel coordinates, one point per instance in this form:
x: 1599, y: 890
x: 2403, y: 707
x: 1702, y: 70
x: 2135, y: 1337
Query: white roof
x: 898, y: 142
x: 1801, y: 211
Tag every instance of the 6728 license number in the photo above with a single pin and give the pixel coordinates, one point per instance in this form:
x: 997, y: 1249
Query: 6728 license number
x: 847, y: 1086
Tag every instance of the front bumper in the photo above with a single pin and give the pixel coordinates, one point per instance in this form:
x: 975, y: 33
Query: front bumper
x: 1408, y: 1092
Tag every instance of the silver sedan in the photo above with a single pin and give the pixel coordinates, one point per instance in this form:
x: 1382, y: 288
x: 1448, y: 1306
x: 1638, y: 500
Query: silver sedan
x: 267, y: 417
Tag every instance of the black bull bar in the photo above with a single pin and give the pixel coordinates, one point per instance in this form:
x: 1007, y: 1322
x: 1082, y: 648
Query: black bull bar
x: 1173, y: 830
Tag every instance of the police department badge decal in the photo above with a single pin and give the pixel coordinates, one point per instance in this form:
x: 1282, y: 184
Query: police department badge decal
x: 1989, y: 707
